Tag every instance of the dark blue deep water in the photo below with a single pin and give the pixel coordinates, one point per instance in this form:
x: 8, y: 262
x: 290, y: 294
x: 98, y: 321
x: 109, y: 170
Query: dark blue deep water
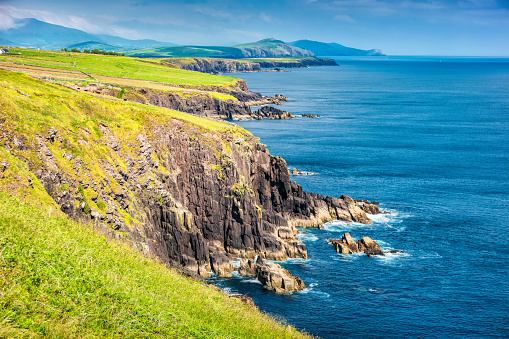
x: 429, y: 139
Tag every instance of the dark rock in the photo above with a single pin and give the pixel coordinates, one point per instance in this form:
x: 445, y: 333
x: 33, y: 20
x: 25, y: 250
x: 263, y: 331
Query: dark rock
x: 371, y: 209
x: 362, y: 200
x: 222, y: 265
x: 276, y: 278
x: 394, y: 251
x: 347, y: 245
x: 375, y: 203
x: 369, y: 246
x: 311, y: 116
x: 273, y: 113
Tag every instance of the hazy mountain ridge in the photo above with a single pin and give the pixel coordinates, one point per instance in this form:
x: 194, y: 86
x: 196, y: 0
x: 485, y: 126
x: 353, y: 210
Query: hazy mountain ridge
x: 33, y: 33
x: 333, y: 49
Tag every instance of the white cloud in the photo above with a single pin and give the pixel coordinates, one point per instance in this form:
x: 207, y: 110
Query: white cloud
x: 344, y: 17
x: 9, y: 15
x: 265, y: 17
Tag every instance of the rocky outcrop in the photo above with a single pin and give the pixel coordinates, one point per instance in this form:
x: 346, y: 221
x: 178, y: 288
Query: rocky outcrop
x: 267, y: 100
x: 272, y: 113
x: 204, y: 105
x: 347, y: 245
x: 300, y: 63
x: 271, y: 275
x: 193, y: 197
x: 216, y: 66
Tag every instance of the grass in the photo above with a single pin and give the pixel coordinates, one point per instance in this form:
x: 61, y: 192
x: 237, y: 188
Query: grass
x: 187, y: 51
x: 113, y: 66
x: 77, y: 117
x: 61, y: 279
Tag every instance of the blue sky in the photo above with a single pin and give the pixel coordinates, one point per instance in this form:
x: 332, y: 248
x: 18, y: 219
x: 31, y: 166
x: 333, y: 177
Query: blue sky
x: 398, y: 27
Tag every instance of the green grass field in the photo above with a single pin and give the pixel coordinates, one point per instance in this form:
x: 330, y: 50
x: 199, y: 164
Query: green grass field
x: 113, y: 66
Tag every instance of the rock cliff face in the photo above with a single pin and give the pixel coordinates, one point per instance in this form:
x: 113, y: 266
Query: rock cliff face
x: 215, y: 66
x: 192, y: 197
x: 205, y: 105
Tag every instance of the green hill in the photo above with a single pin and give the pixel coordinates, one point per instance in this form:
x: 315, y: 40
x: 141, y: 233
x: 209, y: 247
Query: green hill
x: 39, y: 34
x: 333, y: 49
x: 187, y: 51
x: 267, y: 48
x: 93, y: 45
x: 61, y: 278
x: 270, y: 48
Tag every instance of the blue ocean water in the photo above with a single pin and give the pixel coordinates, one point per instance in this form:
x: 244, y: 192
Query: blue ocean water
x: 429, y: 139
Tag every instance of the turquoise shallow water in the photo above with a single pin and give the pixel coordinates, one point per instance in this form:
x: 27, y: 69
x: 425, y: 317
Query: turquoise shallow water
x: 429, y: 139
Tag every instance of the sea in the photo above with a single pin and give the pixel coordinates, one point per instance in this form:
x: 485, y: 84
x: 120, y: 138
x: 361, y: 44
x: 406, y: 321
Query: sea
x: 428, y: 138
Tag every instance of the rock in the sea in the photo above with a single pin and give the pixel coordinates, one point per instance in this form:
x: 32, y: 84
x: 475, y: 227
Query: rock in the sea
x: 347, y: 245
x: 221, y: 264
x: 394, y: 251
x: 271, y: 275
x: 369, y: 246
x: 371, y: 209
x: 272, y: 113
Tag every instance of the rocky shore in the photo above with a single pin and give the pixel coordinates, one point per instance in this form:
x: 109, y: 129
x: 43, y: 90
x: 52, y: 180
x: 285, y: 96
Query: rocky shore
x: 202, y: 104
x: 216, y: 66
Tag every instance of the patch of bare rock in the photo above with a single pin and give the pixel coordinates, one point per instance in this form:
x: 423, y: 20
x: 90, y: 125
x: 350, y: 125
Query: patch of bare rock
x: 271, y: 275
x: 347, y: 245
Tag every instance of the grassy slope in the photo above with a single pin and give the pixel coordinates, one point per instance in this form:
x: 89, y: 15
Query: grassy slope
x: 187, y: 51
x: 112, y: 66
x: 77, y: 115
x: 60, y: 278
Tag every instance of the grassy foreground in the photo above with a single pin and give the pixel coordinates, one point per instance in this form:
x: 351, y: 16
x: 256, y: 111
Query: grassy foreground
x: 60, y: 279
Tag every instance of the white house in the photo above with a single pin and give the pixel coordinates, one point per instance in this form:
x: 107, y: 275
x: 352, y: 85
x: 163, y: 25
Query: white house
x: 4, y: 51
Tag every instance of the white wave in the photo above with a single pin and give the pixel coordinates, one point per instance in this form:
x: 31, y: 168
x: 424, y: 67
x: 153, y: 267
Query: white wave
x: 342, y: 226
x: 236, y: 274
x: 252, y: 281
x: 307, y: 237
x: 236, y: 263
x: 310, y: 290
x: 230, y: 291
x: 290, y: 260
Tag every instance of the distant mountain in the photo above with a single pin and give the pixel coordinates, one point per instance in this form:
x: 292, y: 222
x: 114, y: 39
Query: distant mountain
x: 267, y: 48
x: 270, y: 48
x: 187, y: 51
x: 333, y: 49
x: 93, y: 45
x: 132, y: 44
x: 33, y: 33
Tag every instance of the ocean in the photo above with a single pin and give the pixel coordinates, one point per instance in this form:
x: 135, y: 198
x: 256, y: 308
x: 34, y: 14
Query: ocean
x: 427, y: 137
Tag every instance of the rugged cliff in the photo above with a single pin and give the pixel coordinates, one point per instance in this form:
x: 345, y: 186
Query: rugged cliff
x: 192, y: 191
x: 210, y: 65
x: 205, y: 105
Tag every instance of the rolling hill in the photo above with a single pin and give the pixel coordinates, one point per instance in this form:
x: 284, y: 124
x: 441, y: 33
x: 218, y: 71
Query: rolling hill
x: 267, y: 48
x: 333, y: 49
x: 33, y: 33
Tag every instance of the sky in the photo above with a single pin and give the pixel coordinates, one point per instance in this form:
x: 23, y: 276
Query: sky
x: 398, y: 27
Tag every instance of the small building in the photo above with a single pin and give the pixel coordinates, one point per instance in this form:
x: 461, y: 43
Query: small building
x: 4, y: 51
